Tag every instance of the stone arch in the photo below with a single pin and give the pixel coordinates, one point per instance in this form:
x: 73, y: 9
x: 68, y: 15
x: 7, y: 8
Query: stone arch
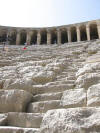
x: 64, y: 36
x: 54, y: 36
x: 83, y: 34
x: 93, y: 31
x: 43, y: 37
x: 73, y: 34
x: 12, y: 37
x: 3, y: 35
x: 34, y: 37
x: 23, y: 36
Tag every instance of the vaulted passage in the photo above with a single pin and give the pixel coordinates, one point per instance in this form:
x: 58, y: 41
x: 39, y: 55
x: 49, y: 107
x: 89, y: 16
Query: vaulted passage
x: 12, y: 37
x: 83, y: 33
x: 53, y: 37
x: 3, y: 36
x: 64, y: 36
x: 73, y: 34
x: 23, y: 37
x: 44, y: 37
x: 34, y: 38
x: 93, y: 31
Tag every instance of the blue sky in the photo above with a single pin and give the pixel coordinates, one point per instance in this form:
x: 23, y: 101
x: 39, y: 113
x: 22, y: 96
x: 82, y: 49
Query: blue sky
x: 44, y: 13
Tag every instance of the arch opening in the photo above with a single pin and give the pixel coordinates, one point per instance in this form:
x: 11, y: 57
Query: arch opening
x: 54, y: 37
x: 23, y: 37
x: 93, y: 31
x: 43, y: 37
x: 3, y: 36
x: 73, y: 34
x: 83, y: 33
x: 12, y: 37
x: 64, y: 37
x: 34, y: 38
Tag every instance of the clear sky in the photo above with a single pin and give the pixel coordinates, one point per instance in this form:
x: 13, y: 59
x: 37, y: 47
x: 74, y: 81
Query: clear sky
x: 44, y: 13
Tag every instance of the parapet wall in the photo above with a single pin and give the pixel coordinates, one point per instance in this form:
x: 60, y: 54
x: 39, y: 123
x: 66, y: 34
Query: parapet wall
x: 51, y: 35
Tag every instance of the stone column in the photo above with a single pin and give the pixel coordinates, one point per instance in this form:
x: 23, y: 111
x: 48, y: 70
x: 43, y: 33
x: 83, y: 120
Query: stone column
x: 58, y: 36
x: 28, y: 38
x: 18, y: 38
x: 98, y: 27
x: 48, y: 37
x: 39, y: 37
x: 69, y: 34
x: 78, y: 34
x: 88, y: 32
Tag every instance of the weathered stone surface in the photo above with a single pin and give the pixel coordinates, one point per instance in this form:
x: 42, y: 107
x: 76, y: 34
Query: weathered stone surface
x: 3, y: 119
x: 17, y: 130
x: 73, y: 120
x: 14, y: 100
x: 73, y: 98
x: 93, y: 95
x: 48, y: 96
x: 88, y: 79
x: 28, y: 120
x: 43, y: 106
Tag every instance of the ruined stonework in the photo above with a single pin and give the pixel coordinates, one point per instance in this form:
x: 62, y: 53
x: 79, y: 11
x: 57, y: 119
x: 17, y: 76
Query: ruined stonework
x: 50, y: 88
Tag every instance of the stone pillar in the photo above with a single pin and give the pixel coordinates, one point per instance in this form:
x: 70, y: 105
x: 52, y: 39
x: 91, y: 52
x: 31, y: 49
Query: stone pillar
x: 18, y: 38
x: 28, y: 38
x: 78, y: 34
x: 48, y: 37
x: 69, y: 34
x: 58, y: 36
x: 88, y: 32
x: 98, y: 27
x: 39, y: 37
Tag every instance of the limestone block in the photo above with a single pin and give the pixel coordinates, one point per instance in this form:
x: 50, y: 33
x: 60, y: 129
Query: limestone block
x: 73, y: 120
x: 93, y: 95
x: 89, y: 68
x: 14, y: 100
x: 73, y: 98
x: 3, y: 119
x: 48, y: 96
x: 88, y: 79
x: 43, y: 106
x: 26, y: 120
x: 8, y: 129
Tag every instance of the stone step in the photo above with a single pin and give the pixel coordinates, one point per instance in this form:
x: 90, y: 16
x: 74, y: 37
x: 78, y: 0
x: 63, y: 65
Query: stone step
x: 26, y: 120
x: 39, y: 89
x: 9, y: 129
x: 43, y: 106
x: 47, y: 96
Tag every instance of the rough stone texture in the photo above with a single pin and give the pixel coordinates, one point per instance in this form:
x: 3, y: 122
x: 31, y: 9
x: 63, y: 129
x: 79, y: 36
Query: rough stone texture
x: 28, y: 120
x: 93, y: 95
x: 73, y: 120
x: 43, y: 106
x: 50, y: 77
x: 14, y: 100
x: 3, y: 119
x: 73, y: 98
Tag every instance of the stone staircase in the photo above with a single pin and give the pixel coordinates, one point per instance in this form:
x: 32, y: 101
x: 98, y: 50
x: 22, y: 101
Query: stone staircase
x: 44, y: 78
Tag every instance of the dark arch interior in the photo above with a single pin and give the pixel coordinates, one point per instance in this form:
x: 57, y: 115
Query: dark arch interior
x: 34, y: 38
x: 43, y: 37
x: 73, y: 34
x: 53, y: 37
x: 3, y: 36
x: 83, y: 33
x: 12, y: 37
x: 64, y: 37
x: 23, y: 37
x: 93, y: 32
